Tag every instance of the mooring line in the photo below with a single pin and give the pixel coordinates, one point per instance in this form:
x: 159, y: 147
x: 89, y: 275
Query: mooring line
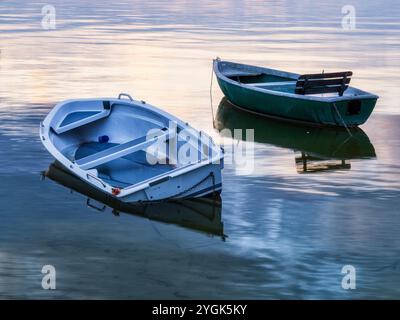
x: 344, y: 123
x: 211, y: 97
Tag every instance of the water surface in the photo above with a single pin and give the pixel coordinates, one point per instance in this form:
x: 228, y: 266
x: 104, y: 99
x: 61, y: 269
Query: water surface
x: 289, y: 228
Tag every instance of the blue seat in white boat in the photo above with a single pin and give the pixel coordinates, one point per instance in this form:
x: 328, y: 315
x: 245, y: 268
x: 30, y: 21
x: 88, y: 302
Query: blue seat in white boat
x: 124, y: 171
x: 121, y: 150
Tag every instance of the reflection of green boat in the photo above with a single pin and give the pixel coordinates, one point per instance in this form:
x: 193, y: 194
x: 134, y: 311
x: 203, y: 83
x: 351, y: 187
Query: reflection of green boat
x: 315, y: 143
x: 306, y: 163
x: 201, y: 214
x: 322, y: 99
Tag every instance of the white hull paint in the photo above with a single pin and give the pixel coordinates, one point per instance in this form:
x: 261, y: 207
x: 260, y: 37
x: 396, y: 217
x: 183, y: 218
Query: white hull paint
x: 74, y: 123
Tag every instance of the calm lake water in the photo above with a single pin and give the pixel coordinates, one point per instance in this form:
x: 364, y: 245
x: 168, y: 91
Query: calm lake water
x: 316, y: 200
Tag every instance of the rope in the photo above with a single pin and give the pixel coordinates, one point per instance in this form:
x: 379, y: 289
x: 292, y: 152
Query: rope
x: 341, y: 145
x: 344, y: 123
x: 211, y: 96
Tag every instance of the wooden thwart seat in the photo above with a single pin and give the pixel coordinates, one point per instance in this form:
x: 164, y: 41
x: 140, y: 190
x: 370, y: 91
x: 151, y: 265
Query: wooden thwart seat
x: 323, y: 83
x: 122, y: 150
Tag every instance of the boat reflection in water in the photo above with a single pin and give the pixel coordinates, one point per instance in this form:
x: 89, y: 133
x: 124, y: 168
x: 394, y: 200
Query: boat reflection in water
x: 200, y: 214
x: 319, y: 148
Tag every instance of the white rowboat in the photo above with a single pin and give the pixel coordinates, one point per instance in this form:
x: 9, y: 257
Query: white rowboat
x: 132, y: 150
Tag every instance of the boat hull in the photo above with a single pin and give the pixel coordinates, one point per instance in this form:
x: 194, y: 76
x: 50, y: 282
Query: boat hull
x: 292, y: 107
x: 202, y: 182
x: 124, y: 161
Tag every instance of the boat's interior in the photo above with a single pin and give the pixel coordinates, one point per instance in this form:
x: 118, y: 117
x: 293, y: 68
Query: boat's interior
x: 120, y: 143
x: 320, y: 85
x: 266, y: 81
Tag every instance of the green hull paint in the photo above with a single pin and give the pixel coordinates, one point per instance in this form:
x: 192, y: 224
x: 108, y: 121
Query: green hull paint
x: 295, y: 107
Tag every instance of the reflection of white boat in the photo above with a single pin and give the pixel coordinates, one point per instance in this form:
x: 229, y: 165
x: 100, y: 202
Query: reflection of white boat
x: 115, y: 146
x: 200, y: 214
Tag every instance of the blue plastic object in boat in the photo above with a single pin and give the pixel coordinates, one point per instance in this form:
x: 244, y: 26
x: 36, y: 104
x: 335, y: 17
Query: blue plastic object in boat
x: 104, y: 139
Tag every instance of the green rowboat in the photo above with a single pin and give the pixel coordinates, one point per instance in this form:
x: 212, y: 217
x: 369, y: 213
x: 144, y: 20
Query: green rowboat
x: 321, y: 99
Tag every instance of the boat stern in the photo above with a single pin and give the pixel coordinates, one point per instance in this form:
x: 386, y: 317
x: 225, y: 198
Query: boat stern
x: 353, y: 112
